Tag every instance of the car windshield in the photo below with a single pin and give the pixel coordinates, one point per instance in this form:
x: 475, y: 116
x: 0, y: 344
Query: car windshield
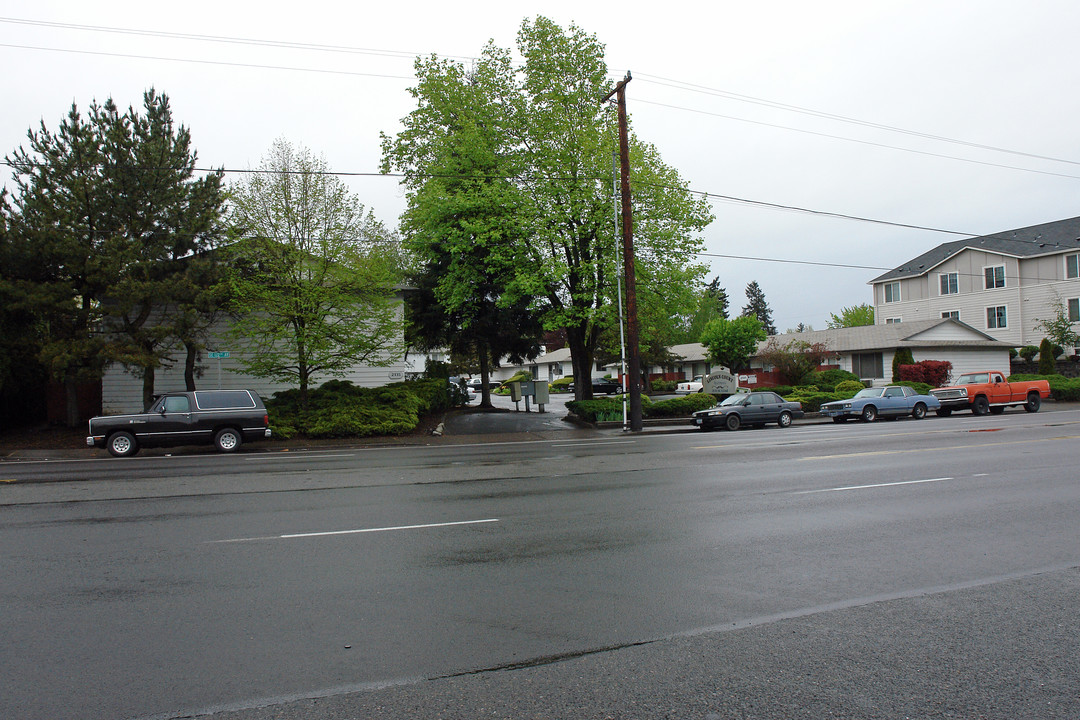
x: 733, y: 399
x: 870, y: 392
x: 972, y: 379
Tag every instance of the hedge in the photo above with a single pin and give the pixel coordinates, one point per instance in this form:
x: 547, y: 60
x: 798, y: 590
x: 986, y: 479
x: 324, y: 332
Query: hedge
x: 610, y: 408
x: 338, y: 408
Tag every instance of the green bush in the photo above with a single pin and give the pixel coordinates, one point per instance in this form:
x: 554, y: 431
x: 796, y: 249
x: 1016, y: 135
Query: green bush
x: 849, y: 386
x: 782, y: 390
x: 1047, y: 366
x: 610, y: 408
x: 680, y: 406
x: 664, y: 385
x: 827, y: 380
x: 562, y: 384
x: 812, y: 400
x: 1028, y: 352
x: 340, y: 409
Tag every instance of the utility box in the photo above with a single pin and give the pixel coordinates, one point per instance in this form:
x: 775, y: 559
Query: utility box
x: 515, y: 391
x: 540, y: 392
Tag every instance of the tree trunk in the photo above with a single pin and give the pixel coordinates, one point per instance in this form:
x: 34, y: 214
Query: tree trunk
x: 581, y: 357
x: 189, y: 365
x: 485, y: 373
x: 71, y: 398
x: 148, y: 387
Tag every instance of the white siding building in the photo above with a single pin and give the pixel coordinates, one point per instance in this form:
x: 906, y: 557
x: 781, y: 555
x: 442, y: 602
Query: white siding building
x: 1002, y: 284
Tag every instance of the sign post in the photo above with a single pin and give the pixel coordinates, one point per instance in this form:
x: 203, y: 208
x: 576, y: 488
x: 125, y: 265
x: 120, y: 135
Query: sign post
x: 217, y: 356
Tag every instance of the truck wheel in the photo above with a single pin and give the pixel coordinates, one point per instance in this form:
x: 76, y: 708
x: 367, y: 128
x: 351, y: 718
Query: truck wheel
x: 919, y: 411
x: 122, y: 444
x: 1034, y: 402
x: 227, y: 439
x: 869, y: 413
x: 784, y: 420
x: 732, y: 422
x: 981, y: 406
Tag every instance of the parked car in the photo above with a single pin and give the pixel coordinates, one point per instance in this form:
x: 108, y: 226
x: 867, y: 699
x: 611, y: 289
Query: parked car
x: 756, y: 408
x: 690, y: 386
x: 890, y: 401
x: 605, y: 386
x: 226, y: 418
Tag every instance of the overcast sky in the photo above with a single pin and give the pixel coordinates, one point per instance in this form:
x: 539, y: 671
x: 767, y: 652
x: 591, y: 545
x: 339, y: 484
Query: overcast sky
x: 709, y: 80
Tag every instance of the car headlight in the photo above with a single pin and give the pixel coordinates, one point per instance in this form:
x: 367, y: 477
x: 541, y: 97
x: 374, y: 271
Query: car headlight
x: 963, y: 392
x: 847, y: 406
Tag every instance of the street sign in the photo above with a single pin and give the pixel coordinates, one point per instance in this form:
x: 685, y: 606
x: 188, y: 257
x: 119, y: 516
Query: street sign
x: 223, y: 354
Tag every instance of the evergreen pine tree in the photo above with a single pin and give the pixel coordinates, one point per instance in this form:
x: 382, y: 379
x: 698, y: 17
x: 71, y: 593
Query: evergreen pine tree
x: 757, y: 307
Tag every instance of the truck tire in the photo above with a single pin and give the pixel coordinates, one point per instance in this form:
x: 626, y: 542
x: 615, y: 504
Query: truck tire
x: 122, y: 444
x: 1034, y: 402
x: 227, y: 439
x: 980, y: 406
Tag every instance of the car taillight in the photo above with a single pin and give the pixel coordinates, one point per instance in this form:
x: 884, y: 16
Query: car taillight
x: 266, y: 419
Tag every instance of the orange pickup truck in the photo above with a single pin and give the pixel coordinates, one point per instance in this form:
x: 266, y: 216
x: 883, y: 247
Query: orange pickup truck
x: 987, y: 392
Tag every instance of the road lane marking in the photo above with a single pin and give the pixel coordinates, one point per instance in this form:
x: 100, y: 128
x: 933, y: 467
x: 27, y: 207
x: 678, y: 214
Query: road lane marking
x: 326, y: 533
x: 600, y: 443
x: 875, y: 485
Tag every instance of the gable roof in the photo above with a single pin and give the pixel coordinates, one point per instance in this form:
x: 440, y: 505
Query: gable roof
x: 949, y: 332
x: 1047, y: 239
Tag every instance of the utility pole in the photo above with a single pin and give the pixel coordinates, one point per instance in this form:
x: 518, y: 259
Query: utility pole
x: 628, y: 256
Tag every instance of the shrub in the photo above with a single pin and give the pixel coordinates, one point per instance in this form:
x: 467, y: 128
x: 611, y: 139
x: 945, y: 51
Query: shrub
x: 338, y: 408
x: 827, y: 380
x: 664, y: 385
x: 932, y: 372
x: 848, y: 386
x: 562, y: 384
x: 1013, y: 353
x: 901, y: 357
x: 1046, y: 358
x: 679, y: 407
x: 782, y: 390
x: 812, y: 400
x: 1028, y: 352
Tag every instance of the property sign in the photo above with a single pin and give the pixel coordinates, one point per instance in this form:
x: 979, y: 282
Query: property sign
x: 396, y: 375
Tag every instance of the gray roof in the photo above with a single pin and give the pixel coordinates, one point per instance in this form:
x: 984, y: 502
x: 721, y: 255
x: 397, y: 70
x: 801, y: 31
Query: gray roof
x: 892, y: 335
x: 690, y: 352
x: 1047, y: 239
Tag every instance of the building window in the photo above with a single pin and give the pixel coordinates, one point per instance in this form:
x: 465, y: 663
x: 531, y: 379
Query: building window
x: 892, y: 292
x: 950, y: 283
x: 995, y: 277
x: 892, y: 321
x: 867, y: 366
x: 1074, y: 310
x: 954, y: 314
x: 996, y: 317
x: 1072, y: 267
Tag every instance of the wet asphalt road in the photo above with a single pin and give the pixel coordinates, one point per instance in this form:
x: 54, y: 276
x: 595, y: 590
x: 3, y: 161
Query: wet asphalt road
x: 566, y: 573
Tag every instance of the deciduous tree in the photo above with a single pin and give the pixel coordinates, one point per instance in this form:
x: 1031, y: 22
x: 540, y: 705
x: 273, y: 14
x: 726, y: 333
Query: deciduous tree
x: 314, y: 277
x: 854, y: 316
x: 558, y: 141
x: 732, y: 343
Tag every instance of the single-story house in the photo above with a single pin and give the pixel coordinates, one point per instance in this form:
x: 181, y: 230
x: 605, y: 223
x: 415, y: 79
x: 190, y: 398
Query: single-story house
x: 868, y: 350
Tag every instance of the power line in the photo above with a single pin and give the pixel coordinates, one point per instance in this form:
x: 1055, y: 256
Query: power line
x: 224, y: 39
x: 209, y: 62
x: 678, y: 84
x: 861, y: 142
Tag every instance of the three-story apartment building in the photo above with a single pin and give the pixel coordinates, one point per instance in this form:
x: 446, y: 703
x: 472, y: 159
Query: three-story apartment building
x: 1003, y: 283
